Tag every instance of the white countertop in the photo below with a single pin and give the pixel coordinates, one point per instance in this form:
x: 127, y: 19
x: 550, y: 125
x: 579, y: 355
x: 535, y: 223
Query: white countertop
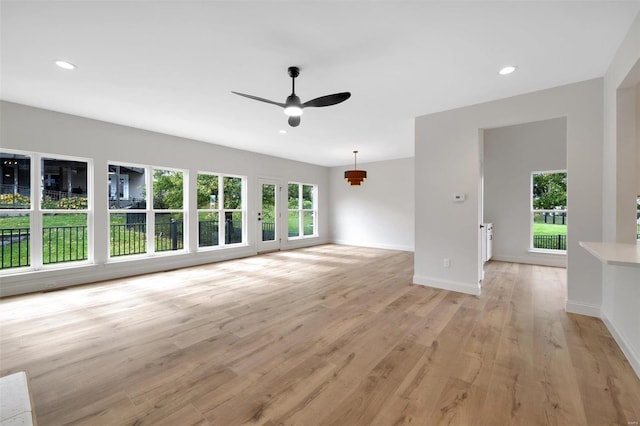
x: 614, y: 253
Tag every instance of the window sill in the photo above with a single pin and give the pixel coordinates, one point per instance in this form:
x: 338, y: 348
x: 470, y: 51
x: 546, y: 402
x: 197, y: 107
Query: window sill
x: 552, y: 252
x: 305, y: 237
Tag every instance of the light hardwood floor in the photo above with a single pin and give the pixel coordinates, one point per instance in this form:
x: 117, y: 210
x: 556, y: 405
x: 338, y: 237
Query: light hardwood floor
x: 328, y: 335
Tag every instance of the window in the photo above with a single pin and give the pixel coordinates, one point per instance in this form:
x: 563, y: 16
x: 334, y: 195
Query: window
x: 16, y: 210
x: 52, y: 228
x: 168, y: 209
x: 549, y: 211
x: 302, y: 210
x: 132, y: 209
x: 220, y: 213
x: 65, y: 206
x: 127, y: 210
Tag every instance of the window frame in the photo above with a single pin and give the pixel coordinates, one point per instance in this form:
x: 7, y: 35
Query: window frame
x: 151, y: 218
x: 146, y: 211
x: 221, y: 211
x: 314, y: 211
x: 37, y: 213
x: 30, y: 212
x: 533, y: 211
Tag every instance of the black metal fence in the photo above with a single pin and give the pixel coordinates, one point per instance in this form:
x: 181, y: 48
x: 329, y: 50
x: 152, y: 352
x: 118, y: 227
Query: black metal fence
x: 128, y: 239
x: 69, y: 243
x: 14, y: 251
x: 64, y: 244
x: 268, y: 231
x: 208, y: 234
x: 169, y: 235
x: 554, y: 218
x: 550, y: 242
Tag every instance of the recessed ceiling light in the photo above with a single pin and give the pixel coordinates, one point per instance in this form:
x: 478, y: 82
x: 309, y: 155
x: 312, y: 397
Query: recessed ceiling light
x: 507, y: 70
x: 283, y: 131
x: 65, y: 65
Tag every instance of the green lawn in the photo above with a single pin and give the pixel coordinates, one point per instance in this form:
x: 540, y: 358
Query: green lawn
x: 71, y: 244
x: 65, y: 239
x: 294, y: 224
x: 549, y: 229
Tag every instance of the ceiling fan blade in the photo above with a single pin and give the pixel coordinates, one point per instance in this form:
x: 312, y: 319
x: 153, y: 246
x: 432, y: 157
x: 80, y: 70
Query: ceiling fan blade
x: 280, y: 104
x: 328, y: 100
x: 294, y: 121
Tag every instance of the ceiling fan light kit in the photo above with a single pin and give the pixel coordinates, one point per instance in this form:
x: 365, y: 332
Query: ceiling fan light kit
x: 293, y: 107
x: 355, y: 177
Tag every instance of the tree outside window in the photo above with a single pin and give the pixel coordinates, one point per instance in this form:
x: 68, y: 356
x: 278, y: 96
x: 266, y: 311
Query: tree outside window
x: 220, y: 213
x: 302, y: 210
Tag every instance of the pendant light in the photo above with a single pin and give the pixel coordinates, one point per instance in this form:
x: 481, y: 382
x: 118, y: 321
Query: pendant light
x: 355, y: 177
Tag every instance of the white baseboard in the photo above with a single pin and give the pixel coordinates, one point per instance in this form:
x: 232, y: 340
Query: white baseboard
x: 374, y: 245
x: 466, y: 288
x: 583, y: 309
x: 627, y: 350
x: 537, y: 259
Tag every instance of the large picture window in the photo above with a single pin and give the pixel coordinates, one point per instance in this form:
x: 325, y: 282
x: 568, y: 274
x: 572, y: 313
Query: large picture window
x: 549, y: 211
x: 45, y: 224
x: 302, y: 210
x: 145, y: 200
x: 220, y: 210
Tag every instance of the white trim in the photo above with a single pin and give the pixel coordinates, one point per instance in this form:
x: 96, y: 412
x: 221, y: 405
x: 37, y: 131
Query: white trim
x: 627, y: 349
x: 460, y: 287
x: 582, y: 308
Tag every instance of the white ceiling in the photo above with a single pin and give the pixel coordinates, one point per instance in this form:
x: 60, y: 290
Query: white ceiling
x: 170, y: 66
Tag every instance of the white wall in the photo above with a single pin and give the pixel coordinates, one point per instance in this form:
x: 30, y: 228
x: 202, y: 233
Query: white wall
x: 448, y: 161
x: 379, y: 213
x: 621, y: 285
x: 37, y: 130
x: 511, y: 154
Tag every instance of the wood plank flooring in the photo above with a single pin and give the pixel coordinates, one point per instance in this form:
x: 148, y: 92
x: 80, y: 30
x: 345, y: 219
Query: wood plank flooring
x: 328, y: 335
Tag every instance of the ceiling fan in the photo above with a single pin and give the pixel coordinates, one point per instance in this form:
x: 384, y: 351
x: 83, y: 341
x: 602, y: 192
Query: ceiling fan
x: 293, y: 107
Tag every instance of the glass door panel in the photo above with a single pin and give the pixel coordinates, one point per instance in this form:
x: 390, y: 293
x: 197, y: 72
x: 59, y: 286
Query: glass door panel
x: 268, y: 216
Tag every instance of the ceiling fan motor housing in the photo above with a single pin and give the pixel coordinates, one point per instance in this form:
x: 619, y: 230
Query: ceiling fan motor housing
x: 294, y: 72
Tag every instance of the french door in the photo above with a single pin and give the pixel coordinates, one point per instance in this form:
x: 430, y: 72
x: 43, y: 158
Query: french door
x: 268, y: 215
